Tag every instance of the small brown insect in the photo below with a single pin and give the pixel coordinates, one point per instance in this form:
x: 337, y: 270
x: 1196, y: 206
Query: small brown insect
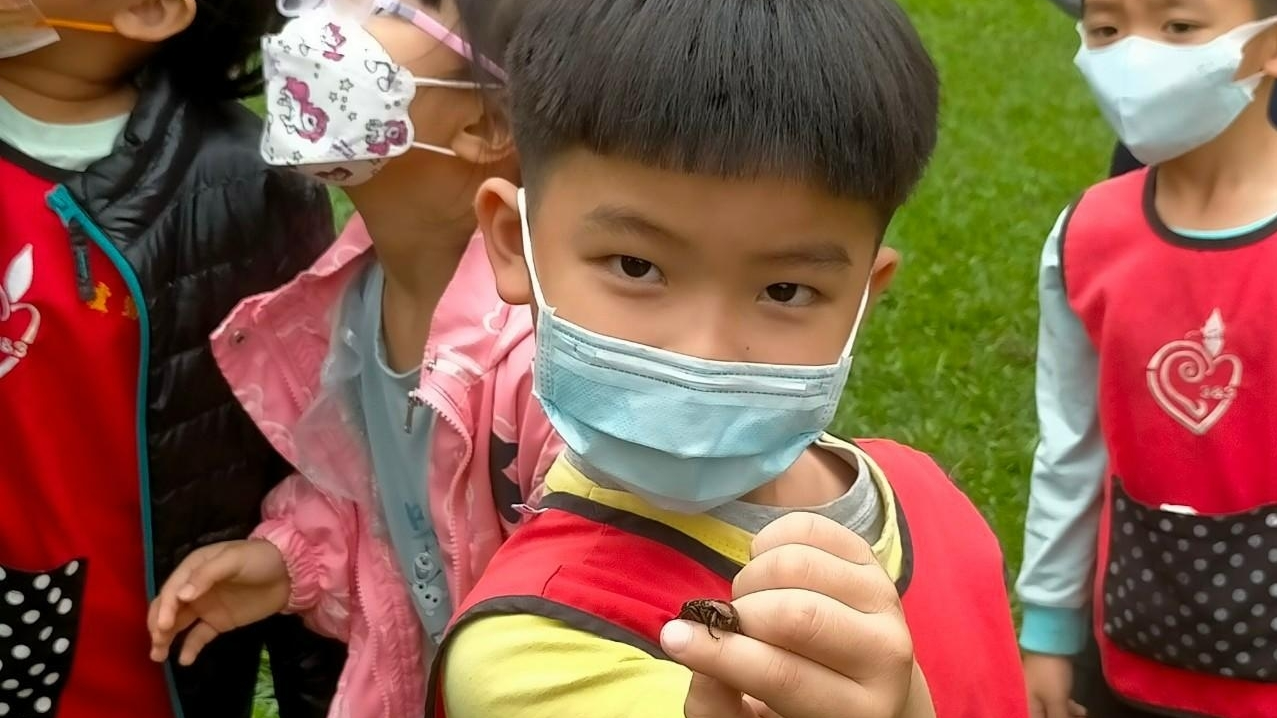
x: 713, y: 614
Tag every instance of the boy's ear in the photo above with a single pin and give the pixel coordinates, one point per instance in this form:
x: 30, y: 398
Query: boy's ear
x: 154, y: 21
x: 497, y: 208
x: 884, y: 270
x: 485, y: 138
x: 1259, y: 55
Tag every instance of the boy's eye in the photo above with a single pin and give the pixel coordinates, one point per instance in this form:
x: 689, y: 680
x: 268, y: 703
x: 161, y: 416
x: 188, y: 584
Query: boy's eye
x: 790, y: 294
x: 1179, y: 28
x: 635, y: 268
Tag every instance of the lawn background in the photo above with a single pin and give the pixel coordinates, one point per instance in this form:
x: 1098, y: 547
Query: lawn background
x: 946, y: 364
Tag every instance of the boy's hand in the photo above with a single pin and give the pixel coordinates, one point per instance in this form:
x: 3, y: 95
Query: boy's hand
x: 822, y: 634
x: 1050, y: 682
x: 216, y: 589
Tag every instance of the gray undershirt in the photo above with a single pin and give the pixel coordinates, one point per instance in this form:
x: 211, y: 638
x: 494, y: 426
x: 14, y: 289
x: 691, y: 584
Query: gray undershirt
x: 859, y: 509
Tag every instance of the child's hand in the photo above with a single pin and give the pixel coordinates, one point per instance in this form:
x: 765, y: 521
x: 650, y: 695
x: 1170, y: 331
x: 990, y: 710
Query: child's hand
x: 822, y: 634
x: 1050, y: 680
x: 216, y: 589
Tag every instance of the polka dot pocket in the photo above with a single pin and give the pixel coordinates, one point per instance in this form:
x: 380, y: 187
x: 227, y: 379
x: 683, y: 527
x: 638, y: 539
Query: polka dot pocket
x: 39, y: 621
x: 1191, y: 591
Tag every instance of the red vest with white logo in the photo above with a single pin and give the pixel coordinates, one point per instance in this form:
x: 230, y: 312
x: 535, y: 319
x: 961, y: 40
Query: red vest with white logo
x: 1186, y: 582
x: 622, y: 577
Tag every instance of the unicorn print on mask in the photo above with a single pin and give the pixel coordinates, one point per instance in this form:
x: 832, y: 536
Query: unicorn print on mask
x: 382, y: 136
x: 300, y: 116
x: 333, y: 40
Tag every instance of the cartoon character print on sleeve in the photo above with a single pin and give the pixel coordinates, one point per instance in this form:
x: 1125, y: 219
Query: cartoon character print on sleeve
x: 39, y: 623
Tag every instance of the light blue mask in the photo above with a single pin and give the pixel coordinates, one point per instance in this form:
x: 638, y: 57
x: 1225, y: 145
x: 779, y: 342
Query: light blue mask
x: 686, y: 434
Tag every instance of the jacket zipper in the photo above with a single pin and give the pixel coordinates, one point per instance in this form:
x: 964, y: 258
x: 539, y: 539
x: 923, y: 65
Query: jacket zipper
x: 81, y: 227
x: 373, y: 635
x: 432, y: 365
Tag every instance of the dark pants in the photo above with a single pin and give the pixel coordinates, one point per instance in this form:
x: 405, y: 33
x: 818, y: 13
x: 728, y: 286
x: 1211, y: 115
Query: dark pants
x: 1091, y: 691
x: 1123, y: 162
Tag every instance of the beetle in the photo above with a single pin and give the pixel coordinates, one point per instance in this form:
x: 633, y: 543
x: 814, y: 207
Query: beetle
x: 712, y: 614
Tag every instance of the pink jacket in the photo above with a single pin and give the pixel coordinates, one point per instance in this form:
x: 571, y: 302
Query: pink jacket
x: 489, y: 452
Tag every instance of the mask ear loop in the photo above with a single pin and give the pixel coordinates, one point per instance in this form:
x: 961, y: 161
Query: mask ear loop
x: 860, y: 316
x: 446, y: 84
x: 78, y: 25
x: 436, y: 29
x: 527, y: 253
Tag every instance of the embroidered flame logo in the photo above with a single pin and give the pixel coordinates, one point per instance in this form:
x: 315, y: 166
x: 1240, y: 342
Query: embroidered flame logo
x: 1193, y: 380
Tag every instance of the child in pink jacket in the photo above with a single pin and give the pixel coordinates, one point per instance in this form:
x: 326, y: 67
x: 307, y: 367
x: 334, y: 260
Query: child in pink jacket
x: 412, y: 471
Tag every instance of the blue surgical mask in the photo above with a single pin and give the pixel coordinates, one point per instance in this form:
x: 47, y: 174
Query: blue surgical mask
x: 686, y: 434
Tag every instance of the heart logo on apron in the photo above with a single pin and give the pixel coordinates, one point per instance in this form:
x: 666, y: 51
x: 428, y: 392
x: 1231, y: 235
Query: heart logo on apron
x: 1193, y: 380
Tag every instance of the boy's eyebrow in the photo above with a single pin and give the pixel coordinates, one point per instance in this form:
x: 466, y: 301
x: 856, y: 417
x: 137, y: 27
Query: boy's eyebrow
x: 821, y: 255
x: 622, y: 219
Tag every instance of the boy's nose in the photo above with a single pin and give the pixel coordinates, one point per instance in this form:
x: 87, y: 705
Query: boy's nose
x: 719, y: 338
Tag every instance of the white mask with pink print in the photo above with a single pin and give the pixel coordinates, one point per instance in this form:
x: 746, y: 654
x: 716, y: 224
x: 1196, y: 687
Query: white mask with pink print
x: 336, y: 103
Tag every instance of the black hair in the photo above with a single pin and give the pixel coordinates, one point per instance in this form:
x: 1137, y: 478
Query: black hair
x: 837, y: 94
x: 216, y: 58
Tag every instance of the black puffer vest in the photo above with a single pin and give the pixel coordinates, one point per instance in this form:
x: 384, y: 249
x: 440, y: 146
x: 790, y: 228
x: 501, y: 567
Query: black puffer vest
x: 204, y: 223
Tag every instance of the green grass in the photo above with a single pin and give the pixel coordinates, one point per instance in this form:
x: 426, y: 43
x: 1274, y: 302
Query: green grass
x: 946, y: 364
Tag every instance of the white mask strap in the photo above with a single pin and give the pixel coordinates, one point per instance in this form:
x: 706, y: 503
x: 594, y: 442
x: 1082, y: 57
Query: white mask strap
x: 527, y: 251
x: 452, y: 84
x: 447, y: 85
x: 860, y: 316
x: 435, y: 148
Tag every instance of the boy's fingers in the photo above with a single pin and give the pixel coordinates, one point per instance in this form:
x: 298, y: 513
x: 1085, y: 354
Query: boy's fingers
x: 711, y: 698
x: 816, y: 531
x: 791, y: 685
x: 864, y: 587
x: 821, y: 629
x: 1077, y: 710
x: 201, y: 635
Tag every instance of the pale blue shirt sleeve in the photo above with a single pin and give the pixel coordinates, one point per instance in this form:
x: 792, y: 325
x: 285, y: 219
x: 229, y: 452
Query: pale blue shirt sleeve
x: 1065, y: 488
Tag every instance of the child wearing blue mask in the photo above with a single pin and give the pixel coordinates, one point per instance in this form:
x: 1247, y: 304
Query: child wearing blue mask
x: 700, y: 239
x: 1152, y: 523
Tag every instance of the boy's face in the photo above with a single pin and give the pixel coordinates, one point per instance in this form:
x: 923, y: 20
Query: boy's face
x: 1175, y: 22
x: 761, y: 270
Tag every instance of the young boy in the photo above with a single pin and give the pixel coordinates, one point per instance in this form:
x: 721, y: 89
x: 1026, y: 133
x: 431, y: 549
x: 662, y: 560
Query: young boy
x: 708, y: 184
x: 1156, y: 472
x: 134, y: 214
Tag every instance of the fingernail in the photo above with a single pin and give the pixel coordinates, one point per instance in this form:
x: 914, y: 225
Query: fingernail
x: 187, y: 592
x: 676, y: 636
